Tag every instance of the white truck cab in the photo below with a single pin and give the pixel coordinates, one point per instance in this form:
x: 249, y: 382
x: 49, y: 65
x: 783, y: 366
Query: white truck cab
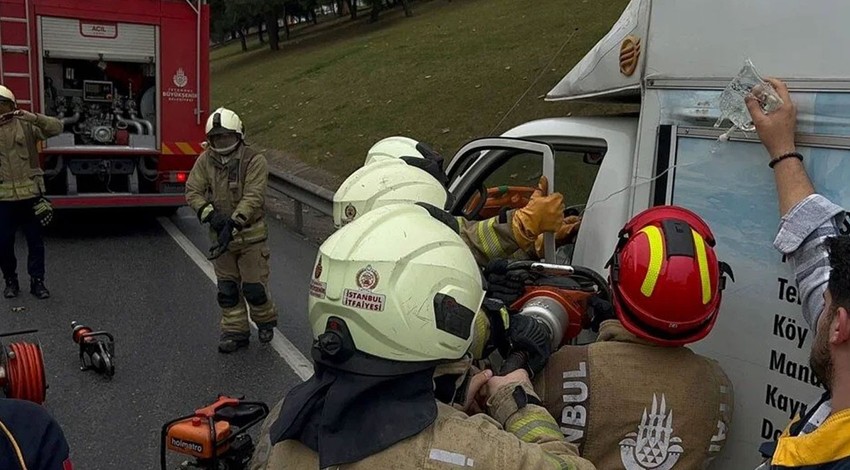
x: 675, y: 59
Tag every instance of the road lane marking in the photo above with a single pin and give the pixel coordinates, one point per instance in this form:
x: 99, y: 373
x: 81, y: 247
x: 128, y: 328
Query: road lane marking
x: 293, y: 357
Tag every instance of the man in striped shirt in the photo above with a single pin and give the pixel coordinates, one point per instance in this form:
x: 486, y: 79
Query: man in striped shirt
x: 809, y: 236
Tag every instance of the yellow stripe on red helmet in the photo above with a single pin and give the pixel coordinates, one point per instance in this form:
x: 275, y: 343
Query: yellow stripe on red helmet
x: 702, y: 262
x: 656, y: 258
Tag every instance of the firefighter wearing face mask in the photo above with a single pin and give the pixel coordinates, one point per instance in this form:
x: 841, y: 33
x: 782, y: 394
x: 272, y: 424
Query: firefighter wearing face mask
x: 226, y: 189
x: 387, y: 311
x: 516, y: 235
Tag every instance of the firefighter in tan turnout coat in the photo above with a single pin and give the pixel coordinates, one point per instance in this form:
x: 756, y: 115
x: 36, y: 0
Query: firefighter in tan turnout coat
x: 226, y: 189
x: 637, y: 398
x: 387, y: 313
x: 22, y: 201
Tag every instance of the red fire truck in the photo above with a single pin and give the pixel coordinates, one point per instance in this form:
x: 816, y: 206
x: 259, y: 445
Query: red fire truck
x: 130, y: 82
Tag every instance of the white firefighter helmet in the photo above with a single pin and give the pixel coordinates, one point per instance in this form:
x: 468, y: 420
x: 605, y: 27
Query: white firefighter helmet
x: 392, y: 147
x: 6, y: 94
x: 398, y: 147
x: 224, y: 121
x: 383, y: 183
x: 396, y: 284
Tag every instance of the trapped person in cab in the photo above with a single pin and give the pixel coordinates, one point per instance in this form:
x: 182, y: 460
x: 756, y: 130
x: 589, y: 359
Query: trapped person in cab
x: 30, y: 438
x: 22, y: 201
x: 637, y: 397
x: 390, y: 316
x: 809, y: 236
x: 226, y: 188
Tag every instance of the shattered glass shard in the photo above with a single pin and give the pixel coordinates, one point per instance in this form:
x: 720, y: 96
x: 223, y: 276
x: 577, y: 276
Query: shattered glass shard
x: 732, y: 105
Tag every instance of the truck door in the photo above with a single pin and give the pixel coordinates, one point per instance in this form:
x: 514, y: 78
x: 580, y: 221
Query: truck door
x: 592, y: 160
x: 478, y: 197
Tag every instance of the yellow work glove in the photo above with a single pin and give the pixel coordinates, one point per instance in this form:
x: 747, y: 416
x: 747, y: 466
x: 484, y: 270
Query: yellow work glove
x: 567, y: 234
x: 541, y: 214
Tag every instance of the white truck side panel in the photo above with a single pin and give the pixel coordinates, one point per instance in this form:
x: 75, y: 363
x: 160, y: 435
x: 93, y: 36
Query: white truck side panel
x: 760, y: 339
x: 709, y: 41
x: 68, y: 38
x: 598, y: 73
x: 789, y: 39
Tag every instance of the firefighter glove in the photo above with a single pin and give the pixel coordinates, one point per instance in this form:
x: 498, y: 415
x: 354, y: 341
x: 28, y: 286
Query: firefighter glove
x: 565, y: 235
x: 541, y: 214
x: 507, y: 286
x: 43, y: 211
x: 25, y: 115
x: 216, y: 219
x: 224, y: 237
x: 599, y: 310
x: 530, y: 336
x: 498, y: 320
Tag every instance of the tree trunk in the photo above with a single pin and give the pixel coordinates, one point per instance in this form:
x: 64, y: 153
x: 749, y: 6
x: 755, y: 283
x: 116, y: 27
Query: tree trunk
x: 243, y: 40
x: 232, y: 34
x: 313, y: 17
x: 286, y: 23
x: 340, y: 8
x: 273, y: 28
x: 260, y: 31
x: 352, y: 7
x: 406, y: 5
x: 376, y: 10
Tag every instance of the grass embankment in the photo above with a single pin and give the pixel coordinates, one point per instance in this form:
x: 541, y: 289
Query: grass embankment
x: 445, y: 76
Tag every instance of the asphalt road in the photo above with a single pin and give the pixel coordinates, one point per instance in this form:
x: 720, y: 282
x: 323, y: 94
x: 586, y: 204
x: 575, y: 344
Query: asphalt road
x: 124, y: 273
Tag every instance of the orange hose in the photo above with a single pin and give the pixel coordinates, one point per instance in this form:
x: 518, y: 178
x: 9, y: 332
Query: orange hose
x: 26, y: 373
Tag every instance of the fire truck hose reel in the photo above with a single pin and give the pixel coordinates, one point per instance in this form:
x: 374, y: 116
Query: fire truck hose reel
x: 22, y: 374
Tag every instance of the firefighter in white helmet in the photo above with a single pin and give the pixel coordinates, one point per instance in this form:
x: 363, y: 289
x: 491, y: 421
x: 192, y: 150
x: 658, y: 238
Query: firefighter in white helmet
x: 226, y: 188
x: 516, y: 234
x: 22, y: 201
x: 398, y: 147
x: 418, y: 154
x: 387, y: 313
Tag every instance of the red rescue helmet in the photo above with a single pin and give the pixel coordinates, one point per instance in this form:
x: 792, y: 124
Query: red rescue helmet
x: 666, y: 278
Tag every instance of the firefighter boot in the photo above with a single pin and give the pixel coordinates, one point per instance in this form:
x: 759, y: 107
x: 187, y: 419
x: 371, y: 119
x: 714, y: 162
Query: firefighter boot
x: 13, y: 288
x: 266, y: 332
x: 231, y: 342
x: 37, y: 289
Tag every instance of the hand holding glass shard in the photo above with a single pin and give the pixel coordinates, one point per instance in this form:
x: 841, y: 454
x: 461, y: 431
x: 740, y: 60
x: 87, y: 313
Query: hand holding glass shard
x: 747, y: 82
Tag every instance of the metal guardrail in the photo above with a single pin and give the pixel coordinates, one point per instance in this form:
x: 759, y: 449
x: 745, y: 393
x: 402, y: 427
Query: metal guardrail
x: 301, y: 192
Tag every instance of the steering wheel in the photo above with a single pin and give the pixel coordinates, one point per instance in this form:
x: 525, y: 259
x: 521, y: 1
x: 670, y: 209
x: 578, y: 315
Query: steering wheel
x: 473, y: 208
x: 488, y: 202
x: 576, y: 209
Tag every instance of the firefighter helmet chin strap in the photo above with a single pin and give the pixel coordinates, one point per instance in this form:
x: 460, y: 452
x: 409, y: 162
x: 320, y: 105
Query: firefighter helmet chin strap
x: 614, y: 260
